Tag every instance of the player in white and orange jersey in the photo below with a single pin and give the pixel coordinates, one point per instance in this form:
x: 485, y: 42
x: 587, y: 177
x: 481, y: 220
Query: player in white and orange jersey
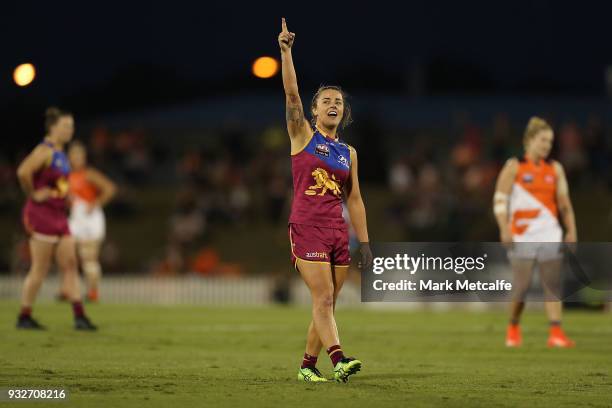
x: 531, y: 196
x: 90, y: 191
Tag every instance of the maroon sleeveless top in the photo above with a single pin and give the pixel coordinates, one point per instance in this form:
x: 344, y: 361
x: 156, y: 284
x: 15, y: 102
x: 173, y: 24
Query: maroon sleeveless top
x: 54, y: 176
x: 320, y: 172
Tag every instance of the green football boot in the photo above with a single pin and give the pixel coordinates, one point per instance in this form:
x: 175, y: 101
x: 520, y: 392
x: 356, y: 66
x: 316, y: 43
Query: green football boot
x: 345, y: 368
x: 310, y: 375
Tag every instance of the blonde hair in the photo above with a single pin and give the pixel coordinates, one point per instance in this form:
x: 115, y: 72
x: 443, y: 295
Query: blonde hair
x: 534, y: 126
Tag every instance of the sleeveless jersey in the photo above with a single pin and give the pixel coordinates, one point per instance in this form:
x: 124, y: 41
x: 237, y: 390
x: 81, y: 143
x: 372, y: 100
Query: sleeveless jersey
x: 533, y: 202
x: 320, y: 172
x: 54, y: 176
x: 81, y: 188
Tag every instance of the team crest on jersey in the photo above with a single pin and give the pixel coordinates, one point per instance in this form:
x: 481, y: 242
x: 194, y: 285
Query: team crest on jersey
x: 343, y: 161
x: 549, y: 179
x: 527, y: 178
x: 322, y: 149
x: 324, y: 183
x: 62, y: 187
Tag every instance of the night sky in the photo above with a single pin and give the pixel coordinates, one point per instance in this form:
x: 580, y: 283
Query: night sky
x: 106, y: 50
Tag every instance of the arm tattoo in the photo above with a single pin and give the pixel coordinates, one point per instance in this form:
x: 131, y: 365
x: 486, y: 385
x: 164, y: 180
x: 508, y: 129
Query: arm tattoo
x: 295, y: 114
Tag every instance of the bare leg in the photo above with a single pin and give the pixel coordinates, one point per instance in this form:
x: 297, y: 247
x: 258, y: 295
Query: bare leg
x: 318, y: 278
x: 523, y: 272
x: 89, y: 252
x: 313, y: 342
x: 65, y: 255
x: 64, y: 284
x: 550, y: 273
x: 41, y: 253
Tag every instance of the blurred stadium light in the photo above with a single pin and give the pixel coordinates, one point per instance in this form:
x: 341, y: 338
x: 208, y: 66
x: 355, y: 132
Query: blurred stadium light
x: 265, y: 67
x: 24, y: 74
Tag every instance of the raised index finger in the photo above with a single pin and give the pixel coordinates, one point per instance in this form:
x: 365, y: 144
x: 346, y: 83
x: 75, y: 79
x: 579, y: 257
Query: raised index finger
x: 284, y: 25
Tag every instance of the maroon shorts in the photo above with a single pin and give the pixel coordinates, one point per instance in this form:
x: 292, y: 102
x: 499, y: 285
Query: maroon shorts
x: 318, y: 244
x: 45, y: 222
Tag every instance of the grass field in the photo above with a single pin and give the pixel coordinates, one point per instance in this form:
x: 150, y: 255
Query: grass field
x: 192, y: 356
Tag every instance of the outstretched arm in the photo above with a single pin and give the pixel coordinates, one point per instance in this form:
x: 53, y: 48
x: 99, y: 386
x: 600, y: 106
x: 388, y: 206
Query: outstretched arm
x: 356, y: 209
x: 299, y: 130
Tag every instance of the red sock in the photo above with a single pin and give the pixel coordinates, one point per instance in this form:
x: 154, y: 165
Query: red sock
x: 309, y: 361
x: 26, y: 311
x: 555, y: 328
x: 335, y: 353
x: 77, y: 308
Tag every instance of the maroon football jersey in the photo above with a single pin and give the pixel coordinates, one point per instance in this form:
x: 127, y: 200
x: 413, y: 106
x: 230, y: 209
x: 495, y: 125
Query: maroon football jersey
x: 320, y: 172
x: 54, y: 176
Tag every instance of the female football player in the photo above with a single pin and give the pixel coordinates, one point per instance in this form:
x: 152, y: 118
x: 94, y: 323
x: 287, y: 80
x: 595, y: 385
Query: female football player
x: 324, y: 173
x: 90, y: 191
x: 531, y: 195
x: 43, y: 176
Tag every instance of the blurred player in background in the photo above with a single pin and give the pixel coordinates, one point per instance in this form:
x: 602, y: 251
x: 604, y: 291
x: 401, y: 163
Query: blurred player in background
x: 90, y: 190
x: 531, y: 195
x: 324, y: 170
x: 43, y: 176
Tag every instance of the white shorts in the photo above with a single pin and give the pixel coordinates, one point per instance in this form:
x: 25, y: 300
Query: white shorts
x: 84, y: 225
x: 542, y: 246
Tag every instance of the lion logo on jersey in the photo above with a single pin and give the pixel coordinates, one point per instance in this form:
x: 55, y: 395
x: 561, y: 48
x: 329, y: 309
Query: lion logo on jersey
x: 323, y: 182
x: 61, y: 188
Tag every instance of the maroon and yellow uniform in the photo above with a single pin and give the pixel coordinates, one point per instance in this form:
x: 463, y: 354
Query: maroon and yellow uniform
x: 317, y: 230
x: 48, y: 220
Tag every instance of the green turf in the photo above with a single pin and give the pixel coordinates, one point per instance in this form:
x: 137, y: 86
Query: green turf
x: 216, y: 357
